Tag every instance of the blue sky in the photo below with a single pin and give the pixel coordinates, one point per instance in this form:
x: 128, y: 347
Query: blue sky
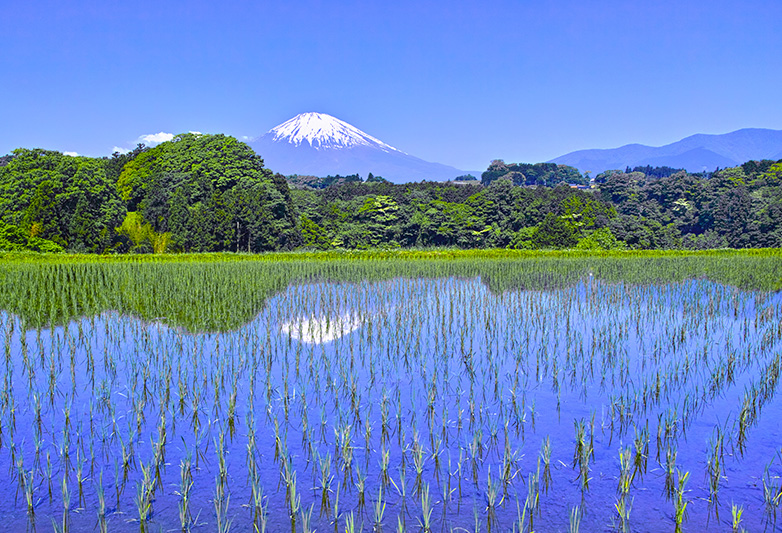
x: 458, y: 83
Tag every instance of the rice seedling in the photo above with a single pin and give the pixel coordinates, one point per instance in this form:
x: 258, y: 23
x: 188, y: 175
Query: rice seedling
x: 545, y: 455
x: 680, y: 502
x: 401, y: 489
x: 583, y: 453
x: 185, y: 488
x: 102, y: 522
x: 574, y: 520
x: 714, y: 467
x: 80, y: 477
x: 624, y: 503
x: 492, y: 495
x: 336, y: 514
x: 385, y: 459
x: 641, y: 455
x: 425, y: 520
x: 419, y: 459
x: 670, y: 468
x: 772, y: 495
x: 29, y: 496
x: 532, y: 503
x: 258, y: 505
x: 360, y: 490
x: 379, y: 509
x: 66, y: 506
x: 325, y: 483
x: 306, y: 520
x: 143, y: 499
x: 736, y: 512
x: 221, y: 501
x: 350, y: 524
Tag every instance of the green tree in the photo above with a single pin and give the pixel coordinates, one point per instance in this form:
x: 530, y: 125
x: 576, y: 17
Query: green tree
x: 212, y: 193
x: 313, y: 235
x: 68, y: 200
x: 600, y: 239
x: 555, y: 232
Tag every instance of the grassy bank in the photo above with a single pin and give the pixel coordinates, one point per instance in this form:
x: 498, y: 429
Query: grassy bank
x: 379, y: 254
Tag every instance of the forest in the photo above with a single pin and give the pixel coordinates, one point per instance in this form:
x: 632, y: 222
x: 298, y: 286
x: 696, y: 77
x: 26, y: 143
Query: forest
x: 212, y: 193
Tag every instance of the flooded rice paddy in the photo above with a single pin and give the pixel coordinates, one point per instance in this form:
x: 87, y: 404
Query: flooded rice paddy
x: 403, y: 404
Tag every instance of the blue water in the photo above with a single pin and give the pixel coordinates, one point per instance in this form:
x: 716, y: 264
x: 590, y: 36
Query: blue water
x: 472, y: 382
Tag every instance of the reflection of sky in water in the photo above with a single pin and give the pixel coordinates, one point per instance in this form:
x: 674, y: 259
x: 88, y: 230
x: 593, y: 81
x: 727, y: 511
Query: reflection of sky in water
x: 323, y: 357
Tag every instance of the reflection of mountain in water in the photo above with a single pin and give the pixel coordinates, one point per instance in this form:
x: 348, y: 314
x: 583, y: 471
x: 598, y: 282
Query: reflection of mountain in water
x: 216, y: 296
x: 320, y: 329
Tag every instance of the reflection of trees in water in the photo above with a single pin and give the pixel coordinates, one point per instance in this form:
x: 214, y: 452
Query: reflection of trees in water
x: 222, y: 295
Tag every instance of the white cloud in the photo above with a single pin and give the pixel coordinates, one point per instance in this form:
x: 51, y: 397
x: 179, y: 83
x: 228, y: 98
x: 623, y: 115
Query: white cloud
x: 150, y: 140
x: 71, y: 154
x: 156, y: 138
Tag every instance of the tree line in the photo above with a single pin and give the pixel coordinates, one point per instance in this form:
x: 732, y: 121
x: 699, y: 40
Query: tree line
x: 209, y: 193
x: 196, y: 193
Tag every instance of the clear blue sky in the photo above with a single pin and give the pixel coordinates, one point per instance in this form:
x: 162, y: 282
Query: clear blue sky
x: 454, y: 82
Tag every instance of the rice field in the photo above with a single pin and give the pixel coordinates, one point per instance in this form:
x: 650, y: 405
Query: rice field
x: 425, y: 391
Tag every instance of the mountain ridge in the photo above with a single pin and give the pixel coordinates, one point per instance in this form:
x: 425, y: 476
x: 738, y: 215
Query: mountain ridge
x: 695, y: 153
x: 319, y: 144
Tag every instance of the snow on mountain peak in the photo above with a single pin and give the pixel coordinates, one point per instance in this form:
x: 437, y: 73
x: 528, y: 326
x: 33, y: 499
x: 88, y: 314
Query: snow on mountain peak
x: 320, y: 130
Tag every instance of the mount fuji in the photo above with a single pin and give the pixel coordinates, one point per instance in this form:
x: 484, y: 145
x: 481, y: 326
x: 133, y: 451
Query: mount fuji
x: 319, y: 144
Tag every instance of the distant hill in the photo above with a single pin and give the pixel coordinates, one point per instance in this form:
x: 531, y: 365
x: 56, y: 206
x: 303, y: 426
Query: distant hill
x: 696, y: 153
x: 320, y: 145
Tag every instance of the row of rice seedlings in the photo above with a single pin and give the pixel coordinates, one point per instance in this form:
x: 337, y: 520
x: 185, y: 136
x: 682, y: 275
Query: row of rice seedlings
x: 437, y: 369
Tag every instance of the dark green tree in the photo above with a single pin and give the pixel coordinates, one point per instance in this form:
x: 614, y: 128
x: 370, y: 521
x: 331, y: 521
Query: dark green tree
x: 555, y: 232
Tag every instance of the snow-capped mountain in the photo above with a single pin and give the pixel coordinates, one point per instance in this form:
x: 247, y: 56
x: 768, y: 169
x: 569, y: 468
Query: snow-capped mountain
x: 318, y: 144
x: 324, y: 132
